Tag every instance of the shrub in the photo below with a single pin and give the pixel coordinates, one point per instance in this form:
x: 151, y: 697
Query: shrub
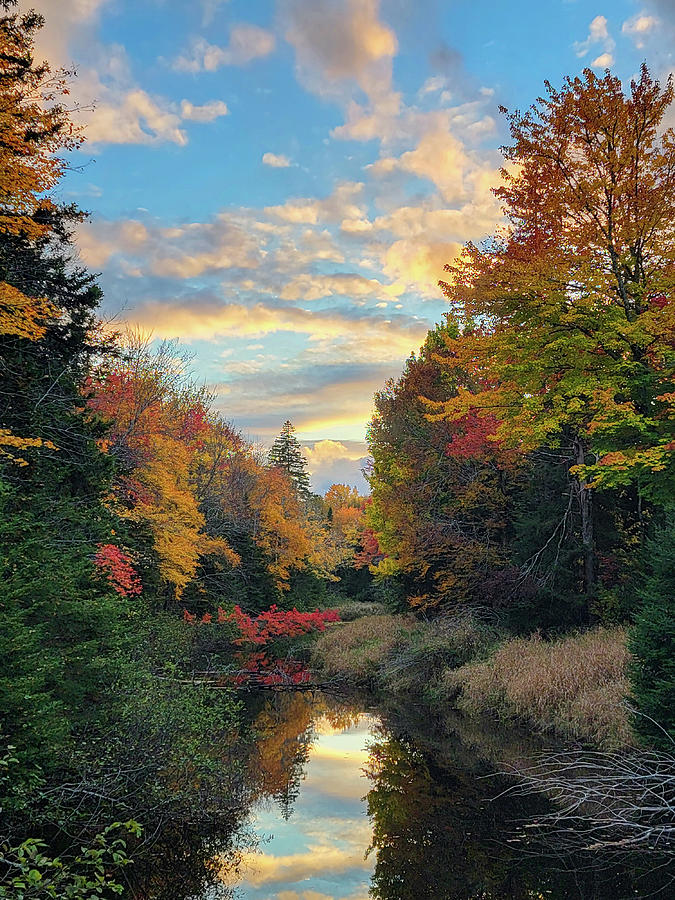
x: 575, y: 686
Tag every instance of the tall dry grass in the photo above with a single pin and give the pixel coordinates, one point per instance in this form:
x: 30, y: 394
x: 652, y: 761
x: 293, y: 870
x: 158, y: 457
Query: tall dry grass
x: 575, y: 686
x: 357, y: 650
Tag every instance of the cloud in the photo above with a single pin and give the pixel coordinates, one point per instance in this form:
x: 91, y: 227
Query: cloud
x: 276, y: 161
x: 197, y: 318
x: 598, y: 34
x: 313, y: 287
x: 247, y: 42
x: 336, y: 462
x: 133, y: 117
x: 207, y: 112
x: 638, y: 27
x: 338, y: 40
x: 341, y: 204
x: 262, y: 869
x: 114, y: 108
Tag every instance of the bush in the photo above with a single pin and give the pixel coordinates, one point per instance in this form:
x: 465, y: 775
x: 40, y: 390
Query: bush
x: 574, y: 686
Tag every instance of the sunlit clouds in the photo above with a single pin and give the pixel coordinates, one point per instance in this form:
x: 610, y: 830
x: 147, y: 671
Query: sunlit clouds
x: 298, y: 174
x: 319, y: 852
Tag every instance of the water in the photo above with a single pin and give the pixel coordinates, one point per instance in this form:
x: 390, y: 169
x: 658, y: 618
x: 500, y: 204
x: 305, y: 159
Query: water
x: 316, y: 848
x: 348, y: 803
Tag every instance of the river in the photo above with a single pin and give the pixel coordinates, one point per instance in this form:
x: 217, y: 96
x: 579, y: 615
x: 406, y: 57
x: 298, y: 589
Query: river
x: 349, y: 802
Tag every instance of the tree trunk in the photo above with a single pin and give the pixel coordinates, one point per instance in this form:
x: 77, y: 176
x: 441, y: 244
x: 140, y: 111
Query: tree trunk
x: 587, y: 536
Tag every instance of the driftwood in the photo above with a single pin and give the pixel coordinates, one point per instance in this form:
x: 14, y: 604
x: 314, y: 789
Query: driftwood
x: 255, y: 681
x: 605, y: 801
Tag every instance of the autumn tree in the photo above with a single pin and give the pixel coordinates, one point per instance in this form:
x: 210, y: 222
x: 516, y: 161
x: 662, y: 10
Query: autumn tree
x: 286, y: 454
x: 159, y: 427
x: 440, y: 489
x: 568, y: 311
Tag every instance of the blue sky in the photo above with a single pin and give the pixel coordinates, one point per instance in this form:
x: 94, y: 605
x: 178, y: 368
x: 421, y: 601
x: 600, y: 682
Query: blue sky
x: 278, y: 184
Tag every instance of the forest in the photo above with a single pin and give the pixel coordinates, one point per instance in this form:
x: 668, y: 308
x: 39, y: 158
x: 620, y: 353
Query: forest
x: 514, y: 554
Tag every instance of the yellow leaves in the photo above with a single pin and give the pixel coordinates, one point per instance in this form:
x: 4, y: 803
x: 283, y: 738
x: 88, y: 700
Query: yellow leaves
x: 282, y: 534
x: 23, y: 316
x: 170, y: 508
x: 7, y: 439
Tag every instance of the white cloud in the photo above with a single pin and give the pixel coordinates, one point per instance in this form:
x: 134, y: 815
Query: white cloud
x: 604, y: 61
x: 247, y: 42
x: 276, y: 161
x: 598, y: 34
x: 638, y: 27
x: 207, y: 112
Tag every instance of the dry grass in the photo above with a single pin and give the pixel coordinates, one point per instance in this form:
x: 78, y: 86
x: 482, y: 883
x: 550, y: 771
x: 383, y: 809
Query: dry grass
x: 356, y: 650
x: 357, y: 609
x: 574, y: 686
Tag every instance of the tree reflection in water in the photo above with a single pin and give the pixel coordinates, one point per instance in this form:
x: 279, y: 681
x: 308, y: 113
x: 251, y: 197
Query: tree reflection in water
x: 441, y: 831
x: 444, y: 827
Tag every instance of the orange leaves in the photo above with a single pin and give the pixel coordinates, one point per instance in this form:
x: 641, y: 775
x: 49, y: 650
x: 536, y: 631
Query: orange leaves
x: 574, y: 298
x: 33, y: 129
x: 159, y: 428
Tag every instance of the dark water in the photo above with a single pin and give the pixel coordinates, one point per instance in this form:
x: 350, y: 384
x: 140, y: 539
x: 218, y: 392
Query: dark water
x: 351, y: 803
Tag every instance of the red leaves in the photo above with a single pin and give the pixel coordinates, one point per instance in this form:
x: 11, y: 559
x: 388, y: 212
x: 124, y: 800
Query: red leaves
x: 477, y: 439
x: 271, y: 624
x: 115, y: 565
x: 259, y: 668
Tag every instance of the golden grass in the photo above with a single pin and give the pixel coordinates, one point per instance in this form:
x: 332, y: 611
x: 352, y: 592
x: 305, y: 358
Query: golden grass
x: 574, y: 686
x: 356, y: 650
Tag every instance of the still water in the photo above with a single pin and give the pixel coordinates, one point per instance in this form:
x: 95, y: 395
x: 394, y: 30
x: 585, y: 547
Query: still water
x: 358, y: 804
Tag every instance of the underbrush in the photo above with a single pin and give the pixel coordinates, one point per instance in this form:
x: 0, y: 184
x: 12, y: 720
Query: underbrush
x: 575, y: 686
x: 414, y: 666
x: 357, y: 609
x: 400, y: 653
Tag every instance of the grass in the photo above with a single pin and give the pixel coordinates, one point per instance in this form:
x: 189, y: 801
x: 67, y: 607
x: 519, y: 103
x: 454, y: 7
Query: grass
x: 357, y: 650
x: 356, y: 609
x: 575, y: 686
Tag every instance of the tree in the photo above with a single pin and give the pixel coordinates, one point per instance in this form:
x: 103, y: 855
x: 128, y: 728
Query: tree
x: 440, y: 489
x: 286, y: 454
x: 574, y: 299
x: 652, y: 642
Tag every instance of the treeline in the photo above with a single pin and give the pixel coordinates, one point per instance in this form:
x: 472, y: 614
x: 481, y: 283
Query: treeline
x: 124, y: 499
x: 524, y: 459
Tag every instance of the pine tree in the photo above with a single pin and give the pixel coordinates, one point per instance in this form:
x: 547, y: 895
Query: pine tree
x: 652, y: 642
x: 286, y: 454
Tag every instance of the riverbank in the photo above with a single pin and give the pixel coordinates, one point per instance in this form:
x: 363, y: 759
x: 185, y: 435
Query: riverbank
x: 574, y: 687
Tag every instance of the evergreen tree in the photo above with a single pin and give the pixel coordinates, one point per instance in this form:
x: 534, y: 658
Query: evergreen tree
x: 652, y: 643
x: 286, y: 454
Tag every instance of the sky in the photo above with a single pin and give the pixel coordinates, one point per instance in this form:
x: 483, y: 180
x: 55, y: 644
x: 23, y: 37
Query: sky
x: 278, y: 183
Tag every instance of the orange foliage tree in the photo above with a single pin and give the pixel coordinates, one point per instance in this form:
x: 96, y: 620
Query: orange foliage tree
x: 159, y: 423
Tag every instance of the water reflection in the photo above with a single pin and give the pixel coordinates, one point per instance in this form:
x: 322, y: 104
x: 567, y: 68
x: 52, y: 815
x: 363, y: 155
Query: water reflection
x: 350, y: 806
x: 311, y: 814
